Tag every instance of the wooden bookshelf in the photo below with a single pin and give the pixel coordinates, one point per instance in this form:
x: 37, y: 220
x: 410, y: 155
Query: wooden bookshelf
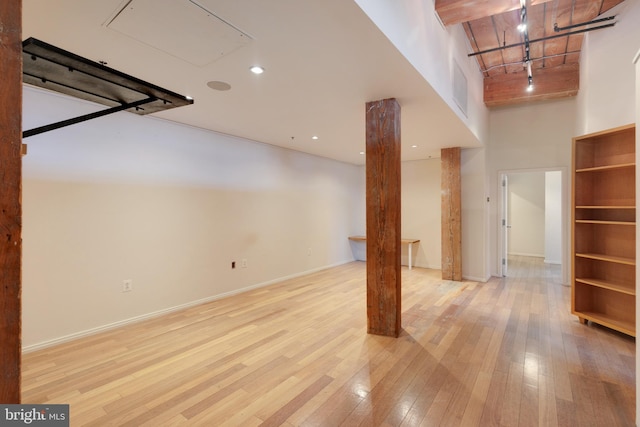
x: 603, y: 231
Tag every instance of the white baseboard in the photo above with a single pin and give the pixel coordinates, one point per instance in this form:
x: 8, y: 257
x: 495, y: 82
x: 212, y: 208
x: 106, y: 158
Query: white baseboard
x: 526, y: 254
x: 136, y: 319
x: 476, y: 279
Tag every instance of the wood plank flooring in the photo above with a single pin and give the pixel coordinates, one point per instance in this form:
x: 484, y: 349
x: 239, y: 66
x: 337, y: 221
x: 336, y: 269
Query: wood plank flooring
x: 502, y: 353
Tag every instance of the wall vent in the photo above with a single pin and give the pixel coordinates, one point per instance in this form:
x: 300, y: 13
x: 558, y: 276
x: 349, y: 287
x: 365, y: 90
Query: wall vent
x: 459, y: 88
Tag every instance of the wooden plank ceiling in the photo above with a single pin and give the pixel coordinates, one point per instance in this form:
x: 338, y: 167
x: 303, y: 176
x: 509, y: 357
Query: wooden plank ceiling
x: 491, y: 24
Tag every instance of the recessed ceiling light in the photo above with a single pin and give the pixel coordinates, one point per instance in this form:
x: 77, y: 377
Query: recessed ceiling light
x: 256, y: 69
x: 414, y: 146
x: 314, y: 137
x: 189, y: 98
x: 362, y: 152
x: 218, y: 85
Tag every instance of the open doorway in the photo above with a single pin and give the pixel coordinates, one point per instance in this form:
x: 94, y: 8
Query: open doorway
x: 533, y: 218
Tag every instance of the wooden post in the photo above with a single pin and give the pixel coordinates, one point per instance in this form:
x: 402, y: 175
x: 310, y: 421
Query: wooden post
x: 451, y: 214
x: 383, y: 217
x: 10, y: 190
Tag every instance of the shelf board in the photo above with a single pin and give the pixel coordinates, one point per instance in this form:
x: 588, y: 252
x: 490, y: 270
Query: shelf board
x: 605, y: 207
x: 609, y: 258
x: 594, y: 221
x: 618, y: 132
x: 607, y: 167
x: 628, y: 328
x: 606, y: 285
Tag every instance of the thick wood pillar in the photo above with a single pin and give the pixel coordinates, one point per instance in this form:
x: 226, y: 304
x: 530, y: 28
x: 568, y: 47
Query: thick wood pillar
x: 383, y: 217
x: 10, y: 189
x: 451, y: 214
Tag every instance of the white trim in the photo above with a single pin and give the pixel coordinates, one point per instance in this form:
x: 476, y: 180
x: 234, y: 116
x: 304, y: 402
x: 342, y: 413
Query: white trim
x: 136, y: 319
x: 526, y: 254
x: 566, y: 224
x: 476, y: 279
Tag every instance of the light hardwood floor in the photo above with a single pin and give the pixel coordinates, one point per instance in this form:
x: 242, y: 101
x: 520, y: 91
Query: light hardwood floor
x: 502, y: 353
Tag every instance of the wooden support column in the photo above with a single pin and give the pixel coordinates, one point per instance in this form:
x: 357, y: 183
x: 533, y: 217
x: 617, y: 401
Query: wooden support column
x: 451, y: 214
x: 383, y: 217
x: 10, y: 190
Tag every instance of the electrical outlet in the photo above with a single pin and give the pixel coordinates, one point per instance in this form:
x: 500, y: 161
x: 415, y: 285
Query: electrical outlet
x: 244, y: 263
x: 127, y: 285
x: 233, y: 264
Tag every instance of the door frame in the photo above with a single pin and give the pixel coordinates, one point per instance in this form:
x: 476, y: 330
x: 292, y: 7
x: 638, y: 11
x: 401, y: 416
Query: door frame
x: 565, y: 224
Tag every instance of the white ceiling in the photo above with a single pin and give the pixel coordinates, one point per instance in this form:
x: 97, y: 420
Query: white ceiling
x: 323, y: 59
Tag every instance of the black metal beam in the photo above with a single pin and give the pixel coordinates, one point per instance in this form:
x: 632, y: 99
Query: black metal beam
x: 541, y: 39
x: 52, y: 68
x: 86, y: 117
x: 595, y: 21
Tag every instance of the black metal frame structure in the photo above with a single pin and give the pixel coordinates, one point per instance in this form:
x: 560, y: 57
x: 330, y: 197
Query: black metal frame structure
x: 541, y: 39
x: 56, y: 69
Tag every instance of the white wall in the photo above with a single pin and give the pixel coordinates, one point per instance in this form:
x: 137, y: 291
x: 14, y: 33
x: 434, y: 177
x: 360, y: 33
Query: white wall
x: 475, y: 209
x: 530, y: 136
x: 421, y: 219
x: 526, y: 209
x: 607, y: 73
x: 170, y: 207
x: 535, y: 214
x: 553, y: 217
x: 415, y: 30
x: 421, y: 214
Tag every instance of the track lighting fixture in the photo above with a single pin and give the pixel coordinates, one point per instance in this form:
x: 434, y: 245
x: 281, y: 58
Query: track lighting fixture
x: 522, y: 27
x: 525, y: 43
x: 527, y: 54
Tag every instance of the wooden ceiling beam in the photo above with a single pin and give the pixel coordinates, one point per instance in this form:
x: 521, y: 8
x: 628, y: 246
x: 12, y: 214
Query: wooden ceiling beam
x: 453, y: 12
x: 549, y: 83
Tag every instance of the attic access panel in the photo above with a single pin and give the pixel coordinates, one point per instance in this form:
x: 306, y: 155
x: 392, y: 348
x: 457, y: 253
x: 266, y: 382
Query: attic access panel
x: 52, y: 68
x: 162, y: 24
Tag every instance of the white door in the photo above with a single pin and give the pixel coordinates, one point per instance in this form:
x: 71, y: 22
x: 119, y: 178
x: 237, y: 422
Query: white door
x: 505, y: 224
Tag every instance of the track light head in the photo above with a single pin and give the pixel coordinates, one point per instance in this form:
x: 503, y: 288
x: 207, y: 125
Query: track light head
x: 522, y: 27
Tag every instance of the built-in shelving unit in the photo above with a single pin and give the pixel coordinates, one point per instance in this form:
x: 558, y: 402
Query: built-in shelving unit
x: 603, y: 229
